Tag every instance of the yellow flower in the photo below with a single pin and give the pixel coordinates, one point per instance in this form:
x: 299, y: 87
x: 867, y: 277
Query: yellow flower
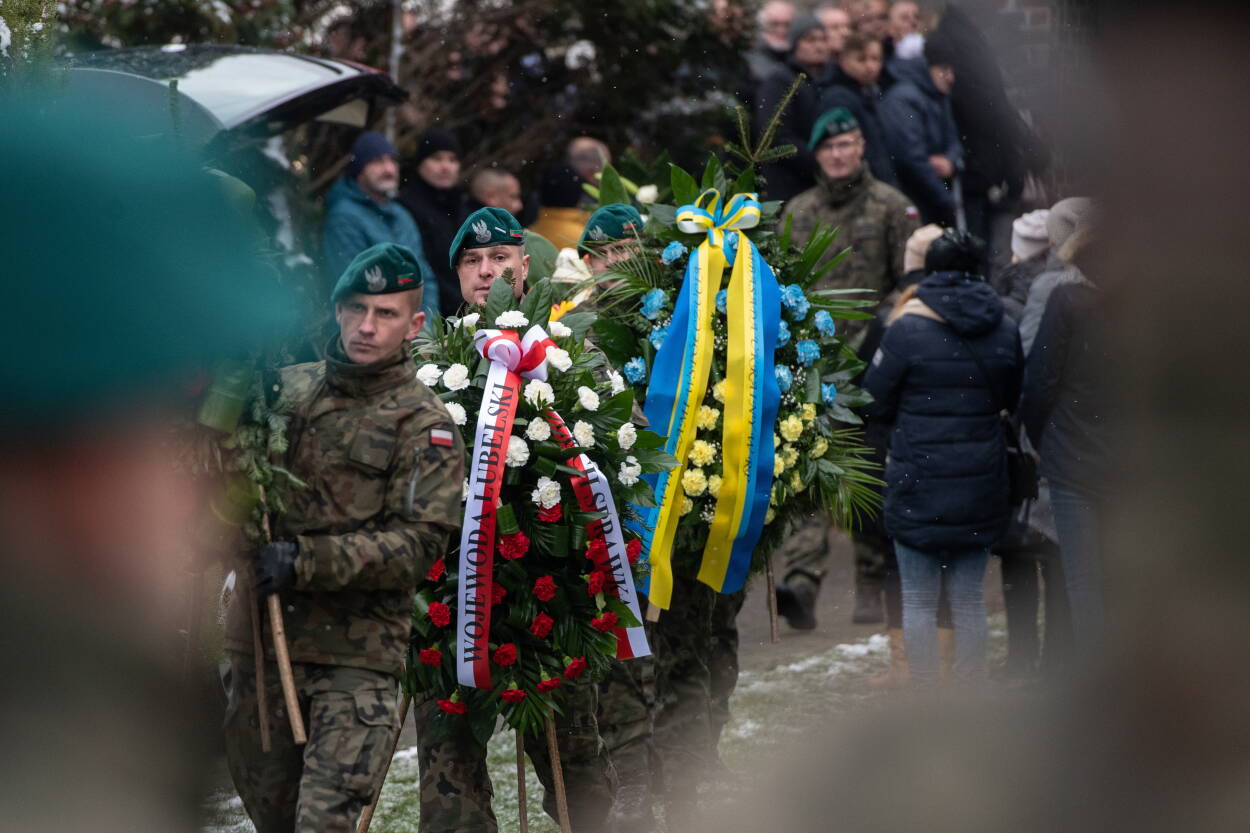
x: 718, y: 391
x: 809, y: 412
x: 779, y: 464
x: 769, y: 515
x: 776, y: 441
x: 707, y: 417
x: 820, y: 447
x: 687, y: 506
x: 713, y: 484
x: 791, y: 454
x: 702, y: 453
x: 791, y: 427
x: 772, y: 496
x: 693, y: 482
x: 796, y: 483
x: 558, y: 310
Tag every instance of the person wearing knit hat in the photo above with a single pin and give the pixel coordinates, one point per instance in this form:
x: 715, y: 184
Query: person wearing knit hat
x: 560, y: 216
x: 918, y: 245
x: 1029, y: 236
x: 1065, y: 217
x: 361, y: 212
x: 436, y: 202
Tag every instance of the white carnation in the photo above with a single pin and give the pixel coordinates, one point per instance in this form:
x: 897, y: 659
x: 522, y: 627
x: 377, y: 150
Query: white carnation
x: 630, y: 470
x: 648, y: 194
x: 559, y: 359
x: 427, y: 374
x: 456, y: 377
x: 518, y: 452
x: 539, y: 393
x: 570, y: 268
x: 584, y: 434
x: 627, y: 435
x: 558, y: 330
x: 617, y: 381
x: 513, y: 319
x: 464, y: 489
x: 587, y: 398
x: 538, y: 430
x: 547, y: 494
x: 469, y: 320
x: 457, y: 412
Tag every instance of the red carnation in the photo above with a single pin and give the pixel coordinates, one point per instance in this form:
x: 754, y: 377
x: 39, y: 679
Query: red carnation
x: 497, y: 593
x: 440, y: 614
x: 548, y: 685
x: 575, y: 668
x: 551, y: 515
x: 453, y: 706
x: 436, y: 572
x: 542, y: 625
x: 596, y: 582
x: 512, y: 695
x: 597, y: 550
x: 545, y: 588
x: 514, y: 545
x: 634, y: 549
x: 604, y: 623
x: 430, y: 656
x: 505, y: 654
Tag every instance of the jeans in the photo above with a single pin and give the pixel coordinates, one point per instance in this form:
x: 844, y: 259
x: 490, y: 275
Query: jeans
x: 1076, y: 521
x: 921, y: 575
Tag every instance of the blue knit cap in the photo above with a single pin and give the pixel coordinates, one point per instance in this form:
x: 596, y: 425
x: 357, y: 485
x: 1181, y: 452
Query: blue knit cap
x: 367, y: 147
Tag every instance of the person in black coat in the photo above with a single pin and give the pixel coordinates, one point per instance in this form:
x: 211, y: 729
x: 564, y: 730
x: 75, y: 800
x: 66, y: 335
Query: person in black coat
x: 1065, y: 408
x: 809, y: 55
x: 853, y: 84
x: 434, y: 199
x: 949, y: 363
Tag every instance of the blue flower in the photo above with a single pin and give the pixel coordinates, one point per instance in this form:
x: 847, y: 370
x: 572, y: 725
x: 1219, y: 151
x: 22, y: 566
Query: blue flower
x: 722, y: 299
x: 784, y: 377
x: 657, y: 337
x: 829, y: 393
x: 672, y: 252
x: 824, y: 323
x: 808, y: 350
x: 635, y: 370
x: 783, y: 334
x: 793, y: 299
x: 653, y: 303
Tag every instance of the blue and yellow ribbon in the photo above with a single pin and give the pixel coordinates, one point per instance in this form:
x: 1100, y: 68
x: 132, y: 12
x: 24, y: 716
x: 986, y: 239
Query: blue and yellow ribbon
x: 679, y: 383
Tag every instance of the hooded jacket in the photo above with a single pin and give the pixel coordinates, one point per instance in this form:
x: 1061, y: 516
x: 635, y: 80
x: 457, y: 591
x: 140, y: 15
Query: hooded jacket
x: 438, y: 213
x: 946, y: 474
x: 918, y: 124
x: 354, y: 222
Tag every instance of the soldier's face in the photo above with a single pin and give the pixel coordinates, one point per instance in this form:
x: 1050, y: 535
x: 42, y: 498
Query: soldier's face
x: 605, y: 257
x: 839, y: 156
x: 478, y: 269
x: 373, y: 326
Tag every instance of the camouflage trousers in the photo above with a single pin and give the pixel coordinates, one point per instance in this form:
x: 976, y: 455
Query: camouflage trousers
x: 806, y: 549
x: 456, y: 789
x: 320, y: 787
x: 627, y: 703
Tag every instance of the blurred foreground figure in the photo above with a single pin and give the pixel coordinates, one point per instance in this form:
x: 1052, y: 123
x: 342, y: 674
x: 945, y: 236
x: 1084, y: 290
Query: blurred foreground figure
x: 125, y: 272
x: 1153, y: 738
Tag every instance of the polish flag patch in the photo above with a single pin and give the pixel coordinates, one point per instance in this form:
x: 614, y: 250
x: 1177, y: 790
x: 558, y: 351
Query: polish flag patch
x: 441, y: 437
x: 911, y: 211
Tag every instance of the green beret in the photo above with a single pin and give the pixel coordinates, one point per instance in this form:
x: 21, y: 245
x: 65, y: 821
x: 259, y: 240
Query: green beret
x: 379, y: 270
x: 486, y: 227
x: 832, y: 123
x: 609, y: 224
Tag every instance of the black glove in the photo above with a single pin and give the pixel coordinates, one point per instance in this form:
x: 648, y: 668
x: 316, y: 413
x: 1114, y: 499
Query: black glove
x: 275, y: 567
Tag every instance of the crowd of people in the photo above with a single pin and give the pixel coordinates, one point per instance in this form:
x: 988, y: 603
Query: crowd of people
x: 981, y: 356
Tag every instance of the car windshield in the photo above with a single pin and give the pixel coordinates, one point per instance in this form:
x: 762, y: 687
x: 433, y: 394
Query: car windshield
x: 232, y: 85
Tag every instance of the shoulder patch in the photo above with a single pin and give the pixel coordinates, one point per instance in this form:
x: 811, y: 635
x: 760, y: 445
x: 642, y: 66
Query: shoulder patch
x: 911, y: 211
x: 441, y: 437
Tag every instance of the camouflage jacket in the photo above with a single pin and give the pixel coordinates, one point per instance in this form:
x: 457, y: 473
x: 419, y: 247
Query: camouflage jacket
x: 875, y: 221
x: 384, y: 466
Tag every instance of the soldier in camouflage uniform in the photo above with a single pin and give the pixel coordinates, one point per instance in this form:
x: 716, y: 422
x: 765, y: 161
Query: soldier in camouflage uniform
x: 456, y: 790
x: 383, y: 465
x: 875, y: 220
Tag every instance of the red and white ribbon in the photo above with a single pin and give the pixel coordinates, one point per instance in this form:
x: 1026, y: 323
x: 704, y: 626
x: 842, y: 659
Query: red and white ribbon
x: 512, y: 357
x: 595, y: 495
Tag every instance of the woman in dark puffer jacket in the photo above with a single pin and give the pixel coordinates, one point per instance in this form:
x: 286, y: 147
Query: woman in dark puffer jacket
x: 950, y: 361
